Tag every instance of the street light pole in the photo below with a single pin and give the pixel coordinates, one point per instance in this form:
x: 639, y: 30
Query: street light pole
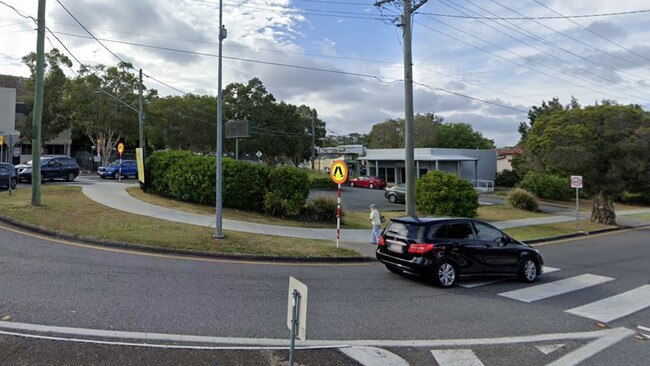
x: 218, y: 226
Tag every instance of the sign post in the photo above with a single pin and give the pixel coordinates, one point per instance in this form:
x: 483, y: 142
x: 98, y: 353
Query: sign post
x: 120, y: 150
x: 13, y: 136
x: 576, y: 182
x: 296, y: 314
x: 2, y: 146
x: 339, y: 174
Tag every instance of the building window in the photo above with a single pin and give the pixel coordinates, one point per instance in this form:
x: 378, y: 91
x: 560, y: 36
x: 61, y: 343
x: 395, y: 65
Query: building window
x: 26, y: 150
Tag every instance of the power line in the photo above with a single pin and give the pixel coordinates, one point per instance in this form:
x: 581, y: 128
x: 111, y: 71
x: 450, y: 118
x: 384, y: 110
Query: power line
x: 592, y: 32
x: 378, y: 78
x: 584, y: 70
x: 539, y: 18
x: 573, y: 39
x: 502, y: 57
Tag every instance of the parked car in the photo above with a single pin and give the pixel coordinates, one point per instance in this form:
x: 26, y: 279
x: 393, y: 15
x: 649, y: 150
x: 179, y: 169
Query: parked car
x: 368, y: 181
x: 129, y: 168
x: 52, y: 167
x: 444, y: 249
x: 8, y: 175
x: 396, y: 193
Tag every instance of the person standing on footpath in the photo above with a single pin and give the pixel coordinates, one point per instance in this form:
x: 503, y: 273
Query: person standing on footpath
x: 375, y: 218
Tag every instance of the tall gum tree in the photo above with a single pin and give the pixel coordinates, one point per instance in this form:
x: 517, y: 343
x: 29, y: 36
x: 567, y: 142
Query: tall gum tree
x: 603, y: 143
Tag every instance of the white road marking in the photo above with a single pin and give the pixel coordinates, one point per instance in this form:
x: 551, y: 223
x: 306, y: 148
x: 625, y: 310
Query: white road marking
x: 555, y: 288
x: 372, y: 356
x: 456, y: 357
x: 644, y: 328
x: 151, y: 345
x: 472, y: 284
x: 615, y: 307
x: 585, y: 352
x: 548, y: 349
x: 269, y: 342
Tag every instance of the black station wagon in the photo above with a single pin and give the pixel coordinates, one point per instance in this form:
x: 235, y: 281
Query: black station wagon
x: 444, y: 249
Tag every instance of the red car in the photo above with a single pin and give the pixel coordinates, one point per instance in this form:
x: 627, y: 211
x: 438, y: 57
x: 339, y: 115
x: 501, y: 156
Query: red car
x: 368, y: 182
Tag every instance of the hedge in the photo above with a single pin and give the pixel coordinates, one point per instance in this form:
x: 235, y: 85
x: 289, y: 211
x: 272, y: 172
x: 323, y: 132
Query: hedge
x: 322, y: 182
x: 188, y: 177
x: 547, y: 186
x: 288, y: 187
x: 444, y: 194
x: 522, y: 199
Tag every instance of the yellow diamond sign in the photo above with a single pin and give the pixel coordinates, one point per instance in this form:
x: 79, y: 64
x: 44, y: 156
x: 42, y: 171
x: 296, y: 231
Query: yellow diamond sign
x: 339, y: 172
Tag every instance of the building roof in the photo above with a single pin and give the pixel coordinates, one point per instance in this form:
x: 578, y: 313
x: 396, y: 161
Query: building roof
x: 510, y: 151
x: 420, y: 154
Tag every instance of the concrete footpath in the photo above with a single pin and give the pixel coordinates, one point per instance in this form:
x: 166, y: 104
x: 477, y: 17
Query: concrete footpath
x: 114, y: 195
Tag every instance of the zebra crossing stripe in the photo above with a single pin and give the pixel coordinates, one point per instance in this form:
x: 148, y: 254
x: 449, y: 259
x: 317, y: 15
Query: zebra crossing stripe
x: 615, y: 307
x: 555, y: 288
x: 472, y: 284
x: 456, y: 357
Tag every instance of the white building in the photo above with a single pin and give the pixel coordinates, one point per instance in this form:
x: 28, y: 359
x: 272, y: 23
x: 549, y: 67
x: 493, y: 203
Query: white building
x: 466, y: 163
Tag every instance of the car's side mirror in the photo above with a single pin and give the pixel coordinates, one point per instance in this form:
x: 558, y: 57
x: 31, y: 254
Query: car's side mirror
x: 504, y: 241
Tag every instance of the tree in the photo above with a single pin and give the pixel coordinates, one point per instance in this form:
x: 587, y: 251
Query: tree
x: 56, y: 114
x: 460, y: 136
x: 606, y: 143
x: 390, y: 133
x: 95, y: 95
x: 183, y: 123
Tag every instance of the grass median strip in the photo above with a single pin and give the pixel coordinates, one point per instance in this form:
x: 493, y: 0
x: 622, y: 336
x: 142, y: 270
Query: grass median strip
x: 550, y: 230
x: 228, y: 213
x: 67, y: 210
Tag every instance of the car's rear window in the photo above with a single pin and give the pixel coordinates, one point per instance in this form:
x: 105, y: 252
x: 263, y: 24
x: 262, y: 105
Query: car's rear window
x: 461, y: 230
x: 411, y: 231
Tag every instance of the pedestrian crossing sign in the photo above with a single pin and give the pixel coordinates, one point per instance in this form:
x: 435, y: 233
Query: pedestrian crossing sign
x: 339, y: 172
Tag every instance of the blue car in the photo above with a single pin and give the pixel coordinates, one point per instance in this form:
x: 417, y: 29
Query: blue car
x: 129, y: 168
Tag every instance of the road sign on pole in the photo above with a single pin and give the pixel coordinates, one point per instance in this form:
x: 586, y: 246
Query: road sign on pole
x: 339, y: 174
x: 120, y: 150
x: 576, y: 182
x: 296, y: 314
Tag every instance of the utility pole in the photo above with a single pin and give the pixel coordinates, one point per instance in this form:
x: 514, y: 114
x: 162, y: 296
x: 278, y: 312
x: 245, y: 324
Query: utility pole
x: 38, y: 107
x: 313, y: 138
x: 141, y: 116
x: 409, y: 162
x: 218, y: 226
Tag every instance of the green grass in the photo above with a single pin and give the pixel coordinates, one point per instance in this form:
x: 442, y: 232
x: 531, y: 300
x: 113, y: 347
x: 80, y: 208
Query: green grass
x: 228, y: 213
x: 550, y: 230
x: 65, y: 209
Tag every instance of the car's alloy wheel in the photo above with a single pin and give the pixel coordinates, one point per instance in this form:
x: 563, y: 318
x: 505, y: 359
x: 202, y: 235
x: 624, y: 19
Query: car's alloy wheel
x: 528, y: 270
x: 371, y: 186
x: 392, y: 198
x: 445, y: 275
x: 351, y: 184
x: 70, y: 177
x: 14, y: 183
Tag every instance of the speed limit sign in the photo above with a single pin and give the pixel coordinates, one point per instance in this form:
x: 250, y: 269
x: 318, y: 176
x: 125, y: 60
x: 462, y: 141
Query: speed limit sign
x: 576, y: 181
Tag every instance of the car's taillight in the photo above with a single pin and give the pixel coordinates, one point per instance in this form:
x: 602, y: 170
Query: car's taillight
x: 381, y: 241
x: 421, y: 248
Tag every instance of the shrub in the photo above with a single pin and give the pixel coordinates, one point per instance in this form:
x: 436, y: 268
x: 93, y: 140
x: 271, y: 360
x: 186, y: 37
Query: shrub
x: 275, y: 205
x: 547, y: 186
x: 288, y: 184
x: 244, y: 184
x: 321, y: 209
x: 634, y: 198
x: 522, y: 199
x: 188, y: 177
x: 444, y: 194
x: 507, y: 178
x: 322, y: 182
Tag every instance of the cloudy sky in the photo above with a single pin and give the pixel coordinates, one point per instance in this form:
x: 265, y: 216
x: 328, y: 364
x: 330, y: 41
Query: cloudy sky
x: 345, y: 57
